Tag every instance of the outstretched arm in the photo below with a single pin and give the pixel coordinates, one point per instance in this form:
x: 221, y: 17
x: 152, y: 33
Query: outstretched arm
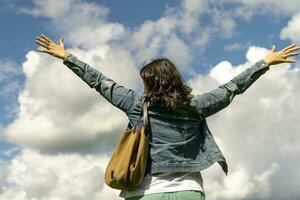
x: 119, y: 96
x: 219, y: 98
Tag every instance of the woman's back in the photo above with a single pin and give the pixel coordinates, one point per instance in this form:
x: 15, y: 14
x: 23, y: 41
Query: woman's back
x: 173, y: 134
x: 179, y: 139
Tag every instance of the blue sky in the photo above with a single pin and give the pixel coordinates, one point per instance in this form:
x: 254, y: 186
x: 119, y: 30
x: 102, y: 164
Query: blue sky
x: 261, y: 28
x: 19, y: 31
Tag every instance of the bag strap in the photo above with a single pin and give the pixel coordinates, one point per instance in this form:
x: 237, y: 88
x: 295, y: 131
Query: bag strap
x: 144, y: 112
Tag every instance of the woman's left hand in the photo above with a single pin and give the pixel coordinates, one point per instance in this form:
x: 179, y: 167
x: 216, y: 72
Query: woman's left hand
x: 279, y: 57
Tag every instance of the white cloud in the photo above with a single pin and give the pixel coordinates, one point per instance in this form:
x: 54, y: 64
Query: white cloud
x: 10, y: 86
x: 240, y: 184
x: 291, y: 31
x: 149, y: 38
x: 65, y: 18
x: 276, y: 7
x: 10, y: 152
x: 257, y: 129
x: 56, y: 105
x: 237, y: 46
x: 189, y: 14
x: 58, y: 113
x: 224, y: 22
x: 48, y: 8
x: 96, y: 36
x: 233, y: 46
x: 203, y: 39
x: 8, y: 69
x: 30, y: 65
x: 32, y: 175
x: 224, y: 71
x: 183, y: 56
x: 56, y: 11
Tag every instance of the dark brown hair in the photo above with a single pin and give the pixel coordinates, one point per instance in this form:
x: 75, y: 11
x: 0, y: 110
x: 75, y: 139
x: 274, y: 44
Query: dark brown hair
x: 164, y: 84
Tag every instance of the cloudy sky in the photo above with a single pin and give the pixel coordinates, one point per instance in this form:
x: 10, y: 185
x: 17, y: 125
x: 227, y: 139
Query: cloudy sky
x: 57, y: 134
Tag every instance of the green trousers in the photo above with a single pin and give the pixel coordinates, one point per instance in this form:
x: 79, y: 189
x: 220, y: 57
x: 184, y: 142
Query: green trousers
x: 179, y: 195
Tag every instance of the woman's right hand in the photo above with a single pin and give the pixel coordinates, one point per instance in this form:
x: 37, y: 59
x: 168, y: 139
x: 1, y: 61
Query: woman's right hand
x: 51, y: 48
x: 279, y: 57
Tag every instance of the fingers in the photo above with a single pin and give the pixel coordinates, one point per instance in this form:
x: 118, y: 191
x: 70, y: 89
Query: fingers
x: 44, y: 51
x: 292, y: 49
x: 42, y: 40
x: 45, y: 42
x: 288, y: 47
x: 290, y: 61
x: 292, y: 54
x: 273, y: 48
x: 61, y: 41
x: 42, y: 43
x: 46, y: 38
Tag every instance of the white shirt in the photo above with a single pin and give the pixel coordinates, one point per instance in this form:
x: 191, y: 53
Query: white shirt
x: 167, y: 182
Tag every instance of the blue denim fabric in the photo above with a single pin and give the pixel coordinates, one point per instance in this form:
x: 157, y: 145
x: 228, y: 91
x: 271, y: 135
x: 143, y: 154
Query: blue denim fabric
x: 180, y: 140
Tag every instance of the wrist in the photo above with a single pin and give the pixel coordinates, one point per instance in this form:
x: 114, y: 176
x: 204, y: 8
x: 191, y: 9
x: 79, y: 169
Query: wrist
x: 66, y: 54
x: 267, y: 61
x: 264, y: 64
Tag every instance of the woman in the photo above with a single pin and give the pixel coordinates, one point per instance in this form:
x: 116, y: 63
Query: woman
x: 181, y: 144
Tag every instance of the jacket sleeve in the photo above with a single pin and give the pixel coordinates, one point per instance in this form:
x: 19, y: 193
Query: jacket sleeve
x: 117, y: 95
x: 217, y: 99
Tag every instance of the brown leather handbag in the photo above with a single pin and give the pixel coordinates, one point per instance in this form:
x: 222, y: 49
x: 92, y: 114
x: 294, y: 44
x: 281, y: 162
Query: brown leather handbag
x: 126, y: 169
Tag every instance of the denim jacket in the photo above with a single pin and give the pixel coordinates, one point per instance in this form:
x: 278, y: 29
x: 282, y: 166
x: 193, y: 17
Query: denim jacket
x: 179, y: 140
